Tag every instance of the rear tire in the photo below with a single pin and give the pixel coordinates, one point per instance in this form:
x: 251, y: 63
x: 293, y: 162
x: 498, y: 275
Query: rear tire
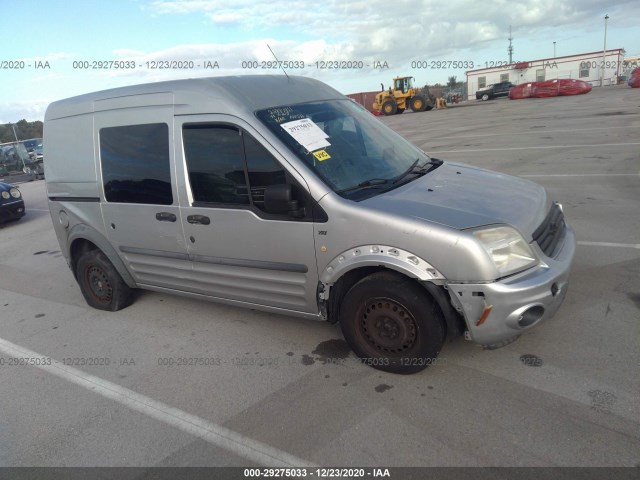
x: 389, y: 107
x: 100, y: 283
x: 392, y: 324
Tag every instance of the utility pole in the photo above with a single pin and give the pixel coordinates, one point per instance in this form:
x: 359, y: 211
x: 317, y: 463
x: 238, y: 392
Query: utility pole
x: 13, y: 127
x: 604, y: 50
x: 14, y: 132
x: 510, y: 50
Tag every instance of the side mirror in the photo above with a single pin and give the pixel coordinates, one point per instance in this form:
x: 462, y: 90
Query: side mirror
x: 277, y: 200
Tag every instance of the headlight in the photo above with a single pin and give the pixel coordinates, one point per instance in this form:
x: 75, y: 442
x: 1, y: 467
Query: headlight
x: 5, y: 194
x: 15, y: 193
x: 506, y: 247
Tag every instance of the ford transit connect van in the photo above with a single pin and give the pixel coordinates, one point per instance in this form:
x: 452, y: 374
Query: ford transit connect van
x: 280, y: 194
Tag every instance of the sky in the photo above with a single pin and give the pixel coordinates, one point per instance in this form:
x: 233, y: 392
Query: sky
x: 57, y: 49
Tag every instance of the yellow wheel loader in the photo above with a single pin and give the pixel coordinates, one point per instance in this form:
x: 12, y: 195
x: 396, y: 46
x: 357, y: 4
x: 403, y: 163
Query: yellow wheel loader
x: 403, y: 95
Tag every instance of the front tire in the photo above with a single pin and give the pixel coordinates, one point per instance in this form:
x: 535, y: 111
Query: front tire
x: 485, y: 97
x: 100, y: 283
x: 389, y: 107
x: 392, y: 324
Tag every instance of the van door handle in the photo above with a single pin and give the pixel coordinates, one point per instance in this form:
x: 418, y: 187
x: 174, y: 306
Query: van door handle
x: 165, y: 217
x: 198, y: 219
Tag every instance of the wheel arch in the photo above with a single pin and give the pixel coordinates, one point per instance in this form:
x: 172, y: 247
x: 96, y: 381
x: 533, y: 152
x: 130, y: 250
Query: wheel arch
x: 350, y: 267
x: 83, y: 238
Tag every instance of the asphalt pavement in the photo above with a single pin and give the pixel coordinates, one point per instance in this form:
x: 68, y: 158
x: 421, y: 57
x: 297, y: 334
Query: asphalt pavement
x: 172, y: 381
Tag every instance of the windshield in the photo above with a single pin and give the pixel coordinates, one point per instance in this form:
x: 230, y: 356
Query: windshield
x: 32, y: 143
x: 354, y: 153
x: 404, y: 84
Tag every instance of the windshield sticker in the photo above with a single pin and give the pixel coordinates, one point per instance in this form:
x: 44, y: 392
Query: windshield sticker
x: 307, y: 134
x: 321, y: 155
x: 282, y: 114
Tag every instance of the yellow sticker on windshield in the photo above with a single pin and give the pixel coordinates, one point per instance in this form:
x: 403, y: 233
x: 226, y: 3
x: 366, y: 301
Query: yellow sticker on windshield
x: 321, y: 155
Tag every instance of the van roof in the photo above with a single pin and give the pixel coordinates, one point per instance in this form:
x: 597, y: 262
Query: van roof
x: 230, y: 94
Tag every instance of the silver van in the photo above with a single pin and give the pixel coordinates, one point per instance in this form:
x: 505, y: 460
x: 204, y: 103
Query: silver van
x: 280, y: 194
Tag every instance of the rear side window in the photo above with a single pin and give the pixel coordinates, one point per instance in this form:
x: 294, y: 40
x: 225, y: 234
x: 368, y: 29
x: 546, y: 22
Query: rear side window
x: 136, y: 164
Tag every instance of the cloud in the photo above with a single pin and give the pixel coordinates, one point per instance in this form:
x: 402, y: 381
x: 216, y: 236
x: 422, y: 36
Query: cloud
x: 14, y: 111
x: 396, y: 32
x: 49, y: 57
x: 402, y: 28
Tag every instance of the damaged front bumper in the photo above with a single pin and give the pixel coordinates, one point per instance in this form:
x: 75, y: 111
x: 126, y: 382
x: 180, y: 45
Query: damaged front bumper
x: 497, y: 312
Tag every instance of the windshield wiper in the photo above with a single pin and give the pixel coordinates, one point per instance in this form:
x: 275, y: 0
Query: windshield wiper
x: 383, y: 182
x: 372, y: 182
x: 419, y: 170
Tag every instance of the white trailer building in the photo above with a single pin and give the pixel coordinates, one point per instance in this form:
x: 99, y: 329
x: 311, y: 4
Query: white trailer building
x: 584, y: 66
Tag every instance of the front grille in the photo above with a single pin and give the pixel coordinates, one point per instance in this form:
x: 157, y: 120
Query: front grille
x: 551, y: 231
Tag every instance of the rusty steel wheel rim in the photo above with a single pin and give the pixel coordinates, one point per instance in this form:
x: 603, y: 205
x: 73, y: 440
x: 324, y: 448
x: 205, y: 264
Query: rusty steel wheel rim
x: 386, y: 326
x: 99, y: 284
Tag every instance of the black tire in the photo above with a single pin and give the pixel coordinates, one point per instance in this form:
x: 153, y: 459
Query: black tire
x: 418, y: 103
x: 389, y: 107
x: 392, y: 324
x: 100, y: 283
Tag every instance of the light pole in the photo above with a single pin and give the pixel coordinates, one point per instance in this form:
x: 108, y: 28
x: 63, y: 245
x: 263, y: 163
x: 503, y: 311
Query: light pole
x: 554, y: 49
x: 16, y: 147
x: 604, y: 50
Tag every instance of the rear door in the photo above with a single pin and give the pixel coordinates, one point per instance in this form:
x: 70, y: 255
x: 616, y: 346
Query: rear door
x: 139, y: 199
x: 238, y: 251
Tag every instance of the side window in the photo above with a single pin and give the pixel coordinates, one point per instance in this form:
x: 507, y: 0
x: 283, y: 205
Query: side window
x: 584, y: 69
x: 135, y: 164
x: 227, y: 166
x: 263, y: 170
x: 482, y: 82
x: 215, y: 163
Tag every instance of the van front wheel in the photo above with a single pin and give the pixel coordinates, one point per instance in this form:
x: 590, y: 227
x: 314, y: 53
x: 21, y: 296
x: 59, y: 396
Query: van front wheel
x: 100, y: 283
x: 392, y: 324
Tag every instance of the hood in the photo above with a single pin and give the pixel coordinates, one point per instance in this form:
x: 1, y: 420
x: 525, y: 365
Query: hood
x: 460, y: 197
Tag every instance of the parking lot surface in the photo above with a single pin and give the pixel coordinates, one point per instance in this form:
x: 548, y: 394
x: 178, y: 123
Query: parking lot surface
x: 172, y: 381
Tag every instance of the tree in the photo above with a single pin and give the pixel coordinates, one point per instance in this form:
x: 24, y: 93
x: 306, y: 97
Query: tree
x: 452, y: 83
x: 24, y: 130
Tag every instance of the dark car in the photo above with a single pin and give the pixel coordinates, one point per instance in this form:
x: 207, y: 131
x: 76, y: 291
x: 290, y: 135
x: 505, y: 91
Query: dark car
x: 11, y: 203
x: 494, y: 91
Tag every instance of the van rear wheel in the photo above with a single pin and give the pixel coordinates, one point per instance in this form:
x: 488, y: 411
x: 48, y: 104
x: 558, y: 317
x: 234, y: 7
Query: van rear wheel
x: 100, y: 283
x: 392, y: 324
